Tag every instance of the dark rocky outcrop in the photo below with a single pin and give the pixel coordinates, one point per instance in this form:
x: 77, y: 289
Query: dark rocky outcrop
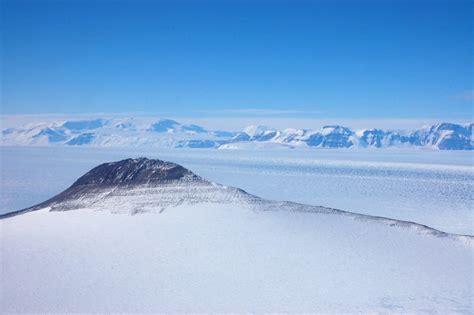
x: 134, y: 172
x: 121, y: 174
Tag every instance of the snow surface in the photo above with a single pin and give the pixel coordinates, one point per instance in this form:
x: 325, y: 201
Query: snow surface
x: 229, y: 257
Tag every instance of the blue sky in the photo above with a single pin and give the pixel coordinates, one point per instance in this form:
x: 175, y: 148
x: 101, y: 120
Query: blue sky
x: 374, y: 59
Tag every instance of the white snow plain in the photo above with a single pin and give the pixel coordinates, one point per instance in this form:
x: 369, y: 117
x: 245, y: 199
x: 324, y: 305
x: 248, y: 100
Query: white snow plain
x: 429, y: 187
x: 227, y: 257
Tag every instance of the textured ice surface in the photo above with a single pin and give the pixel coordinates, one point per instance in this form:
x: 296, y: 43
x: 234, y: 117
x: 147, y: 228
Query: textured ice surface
x: 432, y: 188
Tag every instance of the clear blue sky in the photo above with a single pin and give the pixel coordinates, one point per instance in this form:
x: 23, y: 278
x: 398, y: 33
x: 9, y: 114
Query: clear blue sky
x: 326, y: 59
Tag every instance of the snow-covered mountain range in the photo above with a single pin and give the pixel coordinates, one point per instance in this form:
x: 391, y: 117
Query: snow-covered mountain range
x: 142, y: 235
x: 170, y: 133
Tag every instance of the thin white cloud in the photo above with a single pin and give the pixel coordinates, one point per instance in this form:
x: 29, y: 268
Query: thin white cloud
x: 264, y: 111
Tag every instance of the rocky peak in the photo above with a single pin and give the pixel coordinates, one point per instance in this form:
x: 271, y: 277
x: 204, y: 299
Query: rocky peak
x: 134, y: 172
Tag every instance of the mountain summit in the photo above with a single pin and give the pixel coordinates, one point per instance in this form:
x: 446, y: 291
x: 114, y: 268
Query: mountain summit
x: 140, y: 171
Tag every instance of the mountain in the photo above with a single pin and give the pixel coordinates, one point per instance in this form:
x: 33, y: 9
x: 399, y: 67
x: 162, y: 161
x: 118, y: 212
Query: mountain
x: 171, y: 126
x: 136, y: 185
x: 142, y: 235
x: 332, y: 137
x: 447, y: 136
x: 170, y: 133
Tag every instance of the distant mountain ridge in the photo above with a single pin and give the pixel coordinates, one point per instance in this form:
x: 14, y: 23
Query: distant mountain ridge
x: 170, y: 133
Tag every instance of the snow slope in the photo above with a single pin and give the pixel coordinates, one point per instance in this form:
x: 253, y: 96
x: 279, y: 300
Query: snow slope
x: 228, y: 258
x: 197, y: 246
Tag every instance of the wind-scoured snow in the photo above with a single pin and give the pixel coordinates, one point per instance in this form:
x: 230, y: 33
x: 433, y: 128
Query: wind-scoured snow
x: 170, y: 133
x: 129, y: 242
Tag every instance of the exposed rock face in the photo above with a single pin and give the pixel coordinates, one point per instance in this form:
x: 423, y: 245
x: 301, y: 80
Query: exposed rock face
x: 446, y: 136
x: 372, y: 138
x: 332, y: 137
x: 131, y: 172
